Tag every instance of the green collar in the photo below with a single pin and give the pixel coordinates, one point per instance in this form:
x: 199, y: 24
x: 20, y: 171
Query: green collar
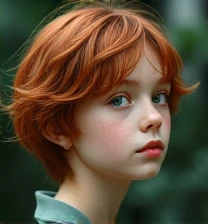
x: 50, y: 210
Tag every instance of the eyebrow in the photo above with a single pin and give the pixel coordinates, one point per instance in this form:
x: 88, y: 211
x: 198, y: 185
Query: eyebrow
x: 135, y: 83
x: 130, y: 82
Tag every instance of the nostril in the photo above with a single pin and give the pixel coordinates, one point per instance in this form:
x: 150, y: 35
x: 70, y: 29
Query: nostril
x: 154, y: 126
x: 150, y: 126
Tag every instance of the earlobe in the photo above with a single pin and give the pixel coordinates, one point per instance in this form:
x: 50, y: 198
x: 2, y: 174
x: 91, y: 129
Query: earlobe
x: 58, y: 138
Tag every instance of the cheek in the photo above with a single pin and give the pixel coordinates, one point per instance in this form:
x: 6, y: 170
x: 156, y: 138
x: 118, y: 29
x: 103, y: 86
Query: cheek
x: 167, y: 127
x: 167, y: 122
x: 103, y: 142
x: 110, y: 138
x: 111, y: 133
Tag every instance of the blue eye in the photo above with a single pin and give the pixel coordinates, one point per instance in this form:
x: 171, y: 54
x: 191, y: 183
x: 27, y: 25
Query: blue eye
x: 119, y: 101
x: 160, y: 98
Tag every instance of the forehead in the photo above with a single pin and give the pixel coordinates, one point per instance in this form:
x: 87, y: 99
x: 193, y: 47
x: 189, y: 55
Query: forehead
x: 147, y: 67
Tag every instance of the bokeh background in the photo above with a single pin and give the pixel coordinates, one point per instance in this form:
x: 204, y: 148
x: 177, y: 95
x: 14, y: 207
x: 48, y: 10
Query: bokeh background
x: 179, y: 194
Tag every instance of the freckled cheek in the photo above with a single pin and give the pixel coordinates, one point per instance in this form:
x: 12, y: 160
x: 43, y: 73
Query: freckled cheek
x: 111, y: 136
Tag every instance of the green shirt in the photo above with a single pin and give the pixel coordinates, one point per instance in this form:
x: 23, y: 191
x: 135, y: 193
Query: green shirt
x: 49, y: 210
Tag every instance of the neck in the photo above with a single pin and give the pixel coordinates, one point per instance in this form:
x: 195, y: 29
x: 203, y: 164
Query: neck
x: 97, y: 196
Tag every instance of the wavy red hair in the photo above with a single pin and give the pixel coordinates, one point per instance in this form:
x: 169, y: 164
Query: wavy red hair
x: 85, y: 52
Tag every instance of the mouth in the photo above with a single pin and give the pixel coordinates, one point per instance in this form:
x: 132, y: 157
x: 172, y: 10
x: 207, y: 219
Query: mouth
x: 152, y: 149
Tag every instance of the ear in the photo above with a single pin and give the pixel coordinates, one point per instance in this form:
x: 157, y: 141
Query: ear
x: 57, y: 137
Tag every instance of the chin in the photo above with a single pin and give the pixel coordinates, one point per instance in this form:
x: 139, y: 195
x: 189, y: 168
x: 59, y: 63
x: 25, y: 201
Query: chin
x: 152, y: 174
x: 148, y: 173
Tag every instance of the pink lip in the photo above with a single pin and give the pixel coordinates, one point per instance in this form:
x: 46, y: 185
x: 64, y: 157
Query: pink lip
x: 152, y: 149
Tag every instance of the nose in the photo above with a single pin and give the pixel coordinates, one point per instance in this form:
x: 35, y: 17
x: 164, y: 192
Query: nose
x: 151, y: 119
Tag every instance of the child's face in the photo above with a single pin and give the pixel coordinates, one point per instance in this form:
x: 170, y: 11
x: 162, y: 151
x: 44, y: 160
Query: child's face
x: 117, y: 125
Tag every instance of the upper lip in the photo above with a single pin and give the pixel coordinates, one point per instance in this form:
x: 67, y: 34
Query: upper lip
x: 152, y: 145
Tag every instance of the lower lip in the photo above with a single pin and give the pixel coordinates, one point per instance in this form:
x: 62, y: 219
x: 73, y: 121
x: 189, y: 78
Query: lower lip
x: 152, y: 153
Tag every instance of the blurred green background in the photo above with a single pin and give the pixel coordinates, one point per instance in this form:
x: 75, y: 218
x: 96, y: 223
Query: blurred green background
x: 179, y: 194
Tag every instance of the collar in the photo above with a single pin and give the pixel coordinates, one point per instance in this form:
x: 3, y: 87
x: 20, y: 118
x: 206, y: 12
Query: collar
x: 51, y: 210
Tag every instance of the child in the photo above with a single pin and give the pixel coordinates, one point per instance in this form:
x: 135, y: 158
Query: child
x: 92, y: 100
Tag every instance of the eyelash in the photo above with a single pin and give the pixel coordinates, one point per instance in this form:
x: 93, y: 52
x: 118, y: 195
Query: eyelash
x: 165, y: 94
x: 124, y: 96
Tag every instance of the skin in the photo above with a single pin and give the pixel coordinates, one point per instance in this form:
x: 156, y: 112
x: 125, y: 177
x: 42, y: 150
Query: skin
x: 114, y: 127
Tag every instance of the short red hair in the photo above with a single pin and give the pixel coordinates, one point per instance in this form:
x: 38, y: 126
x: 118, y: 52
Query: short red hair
x: 87, y: 51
